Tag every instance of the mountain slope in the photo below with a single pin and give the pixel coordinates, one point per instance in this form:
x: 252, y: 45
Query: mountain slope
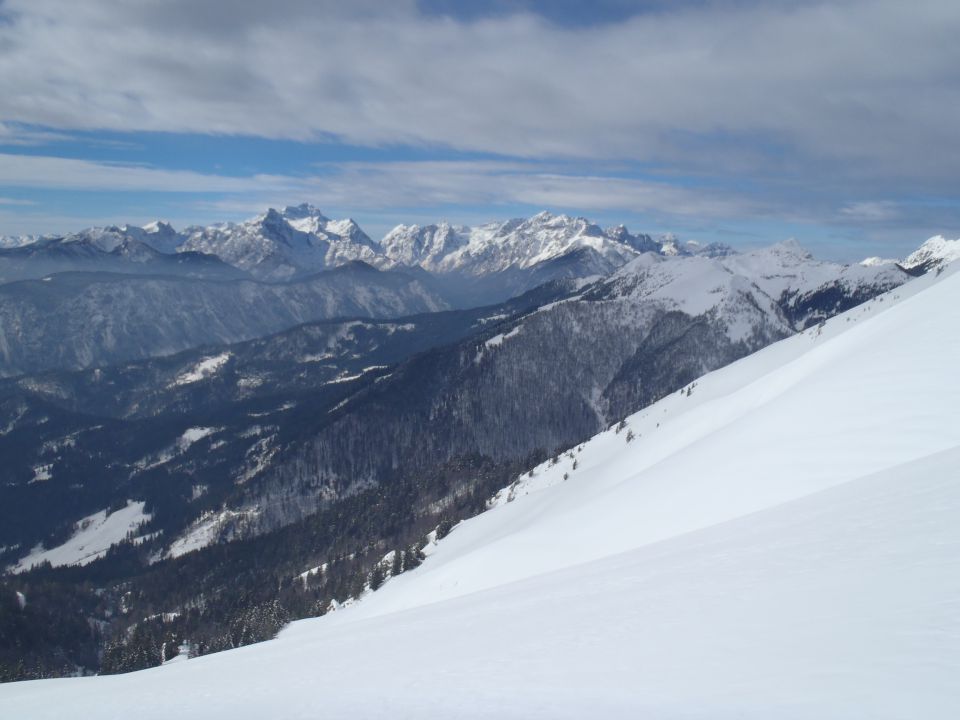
x: 78, y: 320
x: 72, y: 443
x: 777, y: 540
x: 622, y: 344
x: 106, y: 250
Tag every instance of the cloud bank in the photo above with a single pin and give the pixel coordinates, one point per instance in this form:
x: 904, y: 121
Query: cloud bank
x: 864, y: 89
x: 837, y: 113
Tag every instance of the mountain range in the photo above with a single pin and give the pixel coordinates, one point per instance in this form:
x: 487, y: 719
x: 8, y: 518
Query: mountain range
x: 194, y: 423
x: 109, y: 295
x: 298, y: 240
x: 469, y: 388
x: 801, y: 498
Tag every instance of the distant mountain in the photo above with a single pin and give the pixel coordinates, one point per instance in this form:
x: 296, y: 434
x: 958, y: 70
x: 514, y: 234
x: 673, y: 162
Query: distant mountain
x: 106, y: 250
x: 523, y: 244
x: 130, y: 417
x: 471, y: 266
x: 79, y: 320
x: 279, y: 245
x: 502, y: 258
x: 496, y: 247
x: 495, y: 260
x: 783, y: 282
x: 158, y: 234
x: 282, y: 365
x: 13, y: 241
x: 935, y: 253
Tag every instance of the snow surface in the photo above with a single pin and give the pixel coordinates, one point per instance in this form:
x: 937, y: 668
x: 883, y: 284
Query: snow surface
x: 497, y: 340
x: 742, y: 290
x: 778, y: 540
x: 205, y: 368
x: 181, y: 445
x: 206, y: 530
x: 92, y: 537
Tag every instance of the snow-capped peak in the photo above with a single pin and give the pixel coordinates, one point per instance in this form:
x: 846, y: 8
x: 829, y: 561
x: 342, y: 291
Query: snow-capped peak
x: 425, y: 245
x: 514, y: 244
x: 16, y: 241
x: 158, y: 226
x: 671, y: 245
x: 791, y: 247
x: 159, y: 235
x: 934, y: 253
x: 276, y: 245
x: 303, y: 210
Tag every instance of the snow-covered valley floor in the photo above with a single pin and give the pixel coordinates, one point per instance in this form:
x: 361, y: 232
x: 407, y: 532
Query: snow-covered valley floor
x: 780, y: 542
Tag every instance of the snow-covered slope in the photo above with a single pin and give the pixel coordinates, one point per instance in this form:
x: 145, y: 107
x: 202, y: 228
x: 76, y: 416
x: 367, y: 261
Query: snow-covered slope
x: 773, y: 291
x: 779, y: 539
x: 91, y: 538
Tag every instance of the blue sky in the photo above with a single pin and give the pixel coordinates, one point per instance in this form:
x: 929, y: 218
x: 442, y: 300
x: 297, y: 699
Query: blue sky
x: 742, y: 121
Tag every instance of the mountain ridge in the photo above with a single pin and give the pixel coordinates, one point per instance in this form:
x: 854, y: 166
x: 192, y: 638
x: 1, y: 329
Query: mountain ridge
x: 754, y: 509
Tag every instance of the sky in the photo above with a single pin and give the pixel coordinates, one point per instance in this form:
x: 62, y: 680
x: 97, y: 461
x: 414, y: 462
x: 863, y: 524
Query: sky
x: 743, y: 122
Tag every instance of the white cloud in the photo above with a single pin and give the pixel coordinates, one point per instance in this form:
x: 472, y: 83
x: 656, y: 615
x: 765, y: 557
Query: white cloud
x: 37, y: 171
x: 478, y: 183
x: 870, y: 211
x: 863, y: 90
x: 12, y: 135
x: 374, y: 186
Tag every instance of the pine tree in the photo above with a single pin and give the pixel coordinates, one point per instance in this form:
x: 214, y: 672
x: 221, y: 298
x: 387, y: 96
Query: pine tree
x: 376, y: 577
